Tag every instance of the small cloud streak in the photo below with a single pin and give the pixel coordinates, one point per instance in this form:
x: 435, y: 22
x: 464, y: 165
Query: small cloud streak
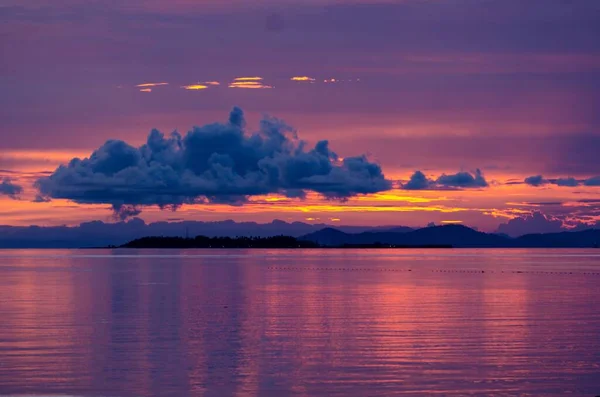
x: 151, y: 85
x: 302, y: 78
x: 194, y: 87
x: 212, y: 83
x: 249, y: 85
x: 146, y: 90
x: 248, y: 79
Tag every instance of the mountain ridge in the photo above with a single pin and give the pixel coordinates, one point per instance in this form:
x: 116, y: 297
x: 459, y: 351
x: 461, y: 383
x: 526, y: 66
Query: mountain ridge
x: 458, y: 236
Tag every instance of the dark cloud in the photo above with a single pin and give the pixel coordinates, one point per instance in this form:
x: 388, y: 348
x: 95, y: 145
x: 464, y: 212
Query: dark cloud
x: 10, y: 189
x: 589, y: 201
x: 570, y: 182
x: 123, y: 212
x: 594, y: 181
x: 216, y: 163
x: 539, y: 180
x: 460, y: 180
x: 418, y: 181
x: 463, y: 180
x: 536, y: 180
x: 545, y: 203
x: 534, y: 223
x: 41, y: 199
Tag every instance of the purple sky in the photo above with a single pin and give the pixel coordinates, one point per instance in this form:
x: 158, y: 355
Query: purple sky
x: 510, y: 87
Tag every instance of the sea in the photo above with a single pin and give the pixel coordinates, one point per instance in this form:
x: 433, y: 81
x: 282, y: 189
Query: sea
x: 392, y: 322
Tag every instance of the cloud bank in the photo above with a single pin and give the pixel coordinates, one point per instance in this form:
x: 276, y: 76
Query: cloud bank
x: 539, y: 180
x: 216, y: 163
x: 460, y: 180
x: 536, y: 180
x: 10, y: 189
x: 534, y: 223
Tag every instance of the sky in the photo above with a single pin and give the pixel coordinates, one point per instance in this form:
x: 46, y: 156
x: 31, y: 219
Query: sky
x: 405, y: 112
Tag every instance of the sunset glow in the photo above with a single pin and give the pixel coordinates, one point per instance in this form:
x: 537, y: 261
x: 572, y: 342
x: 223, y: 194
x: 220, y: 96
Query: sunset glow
x: 522, y: 139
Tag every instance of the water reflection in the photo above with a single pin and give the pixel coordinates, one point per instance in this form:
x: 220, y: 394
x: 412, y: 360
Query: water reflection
x: 302, y: 323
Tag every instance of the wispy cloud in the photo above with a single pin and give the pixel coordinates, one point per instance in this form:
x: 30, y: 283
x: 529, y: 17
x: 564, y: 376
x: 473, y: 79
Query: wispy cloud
x: 302, y: 78
x: 150, y: 85
x: 247, y: 79
x: 212, y: 83
x: 249, y: 82
x: 146, y: 90
x: 195, y: 87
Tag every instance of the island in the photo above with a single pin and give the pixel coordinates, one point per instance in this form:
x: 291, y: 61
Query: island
x: 285, y: 242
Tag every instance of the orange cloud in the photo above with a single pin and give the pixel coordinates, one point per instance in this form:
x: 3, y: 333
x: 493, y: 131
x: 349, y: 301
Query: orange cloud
x: 151, y: 85
x: 247, y: 79
x: 302, y: 78
x: 249, y: 84
x: 194, y: 87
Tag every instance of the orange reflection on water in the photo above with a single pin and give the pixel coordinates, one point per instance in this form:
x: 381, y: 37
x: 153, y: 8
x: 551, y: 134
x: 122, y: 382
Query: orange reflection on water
x: 305, y: 322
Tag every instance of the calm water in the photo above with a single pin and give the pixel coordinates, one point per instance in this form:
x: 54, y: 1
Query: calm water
x: 300, y: 323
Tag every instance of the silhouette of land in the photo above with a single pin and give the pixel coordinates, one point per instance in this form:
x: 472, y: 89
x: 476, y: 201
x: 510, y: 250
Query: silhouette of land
x: 450, y: 236
x: 252, y: 242
x: 457, y: 236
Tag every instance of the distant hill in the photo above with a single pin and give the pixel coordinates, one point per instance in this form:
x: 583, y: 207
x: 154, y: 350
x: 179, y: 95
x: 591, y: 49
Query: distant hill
x: 583, y: 239
x: 98, y: 233
x: 101, y: 234
x: 457, y: 236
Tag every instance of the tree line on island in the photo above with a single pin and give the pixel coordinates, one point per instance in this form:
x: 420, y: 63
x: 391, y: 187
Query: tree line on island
x: 249, y: 242
x: 447, y: 236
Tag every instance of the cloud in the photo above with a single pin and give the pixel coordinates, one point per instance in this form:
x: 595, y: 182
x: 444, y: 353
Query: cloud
x: 122, y: 212
x: 10, y: 189
x: 41, y: 199
x: 248, y: 82
x: 216, y: 163
x: 145, y: 85
x: 594, y: 181
x: 418, y: 181
x: 571, y: 182
x: 536, y: 180
x: 195, y: 87
x: 534, y: 223
x: 460, y: 180
x: 463, y: 180
x: 302, y: 78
